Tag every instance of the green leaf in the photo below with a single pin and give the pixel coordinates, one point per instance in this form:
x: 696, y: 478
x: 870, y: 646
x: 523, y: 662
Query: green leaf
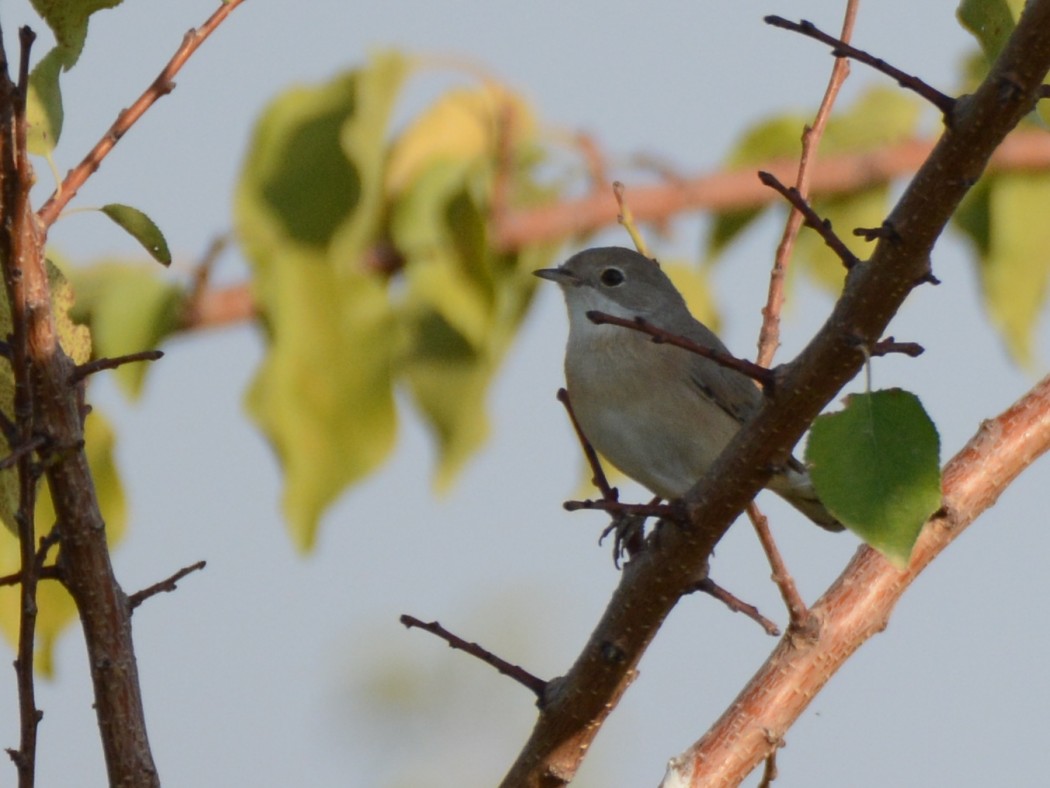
x: 1005, y: 221
x: 990, y: 21
x: 129, y: 309
x: 875, y: 465
x: 55, y: 608
x: 68, y: 20
x: 141, y: 228
x: 44, y: 113
x: 309, y: 206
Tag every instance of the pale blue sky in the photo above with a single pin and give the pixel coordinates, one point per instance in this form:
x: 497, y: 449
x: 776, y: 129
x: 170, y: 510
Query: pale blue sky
x: 271, y: 669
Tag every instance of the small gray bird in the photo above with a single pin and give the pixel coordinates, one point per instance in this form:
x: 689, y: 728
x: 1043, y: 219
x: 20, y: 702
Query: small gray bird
x: 659, y: 413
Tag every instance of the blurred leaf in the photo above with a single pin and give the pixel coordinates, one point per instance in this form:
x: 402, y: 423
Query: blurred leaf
x: 129, y: 309
x: 876, y: 466
x: 68, y: 20
x: 140, y: 227
x: 1005, y: 218
x: 56, y: 609
x: 323, y: 394
x: 309, y: 204
x: 44, y: 113
x: 463, y: 300
x: 879, y: 117
x: 692, y: 283
x: 990, y: 21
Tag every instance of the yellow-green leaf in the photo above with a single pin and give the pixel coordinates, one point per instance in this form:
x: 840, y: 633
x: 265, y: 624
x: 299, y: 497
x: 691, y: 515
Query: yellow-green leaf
x: 130, y: 308
x: 44, y: 113
x: 140, y: 227
x: 309, y: 206
x: 323, y: 394
x: 1005, y: 220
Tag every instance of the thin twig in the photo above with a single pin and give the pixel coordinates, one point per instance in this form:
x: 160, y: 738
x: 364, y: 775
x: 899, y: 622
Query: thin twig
x: 839, y: 48
x: 769, y: 334
x: 161, y: 86
x: 22, y: 451
x: 885, y: 347
x: 764, y: 376
x: 626, y: 220
x: 812, y: 218
x: 797, y: 610
x: 598, y: 478
x: 537, y: 685
x: 737, y: 605
x: 91, y: 367
x: 42, y: 573
x: 164, y: 586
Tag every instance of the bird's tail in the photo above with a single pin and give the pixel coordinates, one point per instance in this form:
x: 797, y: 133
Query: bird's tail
x: 795, y: 487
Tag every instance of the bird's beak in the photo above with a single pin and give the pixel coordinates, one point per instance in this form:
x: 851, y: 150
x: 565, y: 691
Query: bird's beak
x: 558, y: 276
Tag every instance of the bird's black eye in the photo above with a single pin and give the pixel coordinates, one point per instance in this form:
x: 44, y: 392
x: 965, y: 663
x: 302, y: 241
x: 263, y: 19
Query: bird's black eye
x: 612, y: 277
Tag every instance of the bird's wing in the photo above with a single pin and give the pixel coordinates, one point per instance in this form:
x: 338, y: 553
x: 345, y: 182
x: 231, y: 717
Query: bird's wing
x: 733, y: 392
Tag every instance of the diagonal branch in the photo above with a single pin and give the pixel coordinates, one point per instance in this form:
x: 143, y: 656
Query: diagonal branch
x: 652, y: 583
x: 161, y: 86
x: 858, y: 604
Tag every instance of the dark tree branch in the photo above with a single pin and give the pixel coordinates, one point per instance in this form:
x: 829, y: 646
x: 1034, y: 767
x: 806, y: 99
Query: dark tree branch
x: 654, y: 580
x: 83, y: 371
x: 840, y: 48
x: 811, y: 219
x: 536, y: 685
x: 164, y: 586
x: 764, y: 376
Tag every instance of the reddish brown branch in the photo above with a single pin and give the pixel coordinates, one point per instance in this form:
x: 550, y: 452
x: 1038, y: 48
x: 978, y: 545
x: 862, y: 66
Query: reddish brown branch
x: 536, y: 685
x: 841, y: 48
x: 769, y: 334
x: 730, y: 190
x: 859, y: 603
x: 161, y: 86
x: 797, y: 610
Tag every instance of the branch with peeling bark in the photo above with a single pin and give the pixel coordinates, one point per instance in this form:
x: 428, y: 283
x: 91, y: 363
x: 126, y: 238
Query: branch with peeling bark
x: 574, y: 708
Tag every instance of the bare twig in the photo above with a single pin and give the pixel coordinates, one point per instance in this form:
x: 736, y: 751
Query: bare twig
x: 797, y: 610
x: 670, y: 511
x: 23, y: 451
x: 83, y: 371
x: 609, y: 493
x: 737, y: 605
x: 164, y: 586
x: 769, y: 334
x: 885, y: 347
x: 536, y: 685
x: 764, y: 376
x: 161, y: 86
x: 839, y: 48
x: 812, y: 218
x: 626, y: 220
